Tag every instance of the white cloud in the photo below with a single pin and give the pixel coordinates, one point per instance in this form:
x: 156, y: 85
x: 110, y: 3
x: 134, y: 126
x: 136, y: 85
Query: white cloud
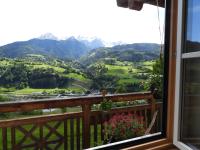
x: 25, y: 19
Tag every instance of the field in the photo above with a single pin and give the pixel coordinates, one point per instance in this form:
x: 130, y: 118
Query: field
x: 125, y: 76
x: 129, y: 72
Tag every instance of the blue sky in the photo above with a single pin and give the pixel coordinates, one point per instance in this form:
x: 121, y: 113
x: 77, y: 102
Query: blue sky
x: 25, y: 19
x: 193, y: 27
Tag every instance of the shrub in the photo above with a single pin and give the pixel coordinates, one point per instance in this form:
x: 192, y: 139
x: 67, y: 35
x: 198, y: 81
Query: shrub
x: 155, y: 80
x: 122, y: 127
x: 106, y: 104
x: 4, y: 98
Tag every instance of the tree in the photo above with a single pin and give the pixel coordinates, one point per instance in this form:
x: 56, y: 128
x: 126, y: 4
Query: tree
x: 96, y: 70
x: 15, y: 75
x: 100, y: 80
x: 47, y: 78
x: 43, y: 78
x: 155, y: 81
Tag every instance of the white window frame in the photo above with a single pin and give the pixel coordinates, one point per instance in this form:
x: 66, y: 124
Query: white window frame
x: 179, y: 57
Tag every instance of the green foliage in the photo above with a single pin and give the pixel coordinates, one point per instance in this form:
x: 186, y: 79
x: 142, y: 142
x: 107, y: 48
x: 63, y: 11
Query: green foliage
x: 130, y: 87
x: 4, y: 98
x: 130, y: 52
x: 108, y: 70
x: 155, y: 80
x: 42, y: 78
x: 100, y: 80
x: 31, y: 113
x: 23, y: 73
x: 15, y: 75
x: 96, y: 70
x: 106, y: 104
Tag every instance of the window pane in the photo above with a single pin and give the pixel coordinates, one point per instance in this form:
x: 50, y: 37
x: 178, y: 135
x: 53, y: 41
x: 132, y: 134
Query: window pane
x: 193, y: 28
x: 68, y: 76
x: 190, y: 122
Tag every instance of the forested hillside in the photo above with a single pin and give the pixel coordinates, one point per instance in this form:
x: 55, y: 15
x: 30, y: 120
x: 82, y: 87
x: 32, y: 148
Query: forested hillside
x: 39, y: 66
x: 130, y: 52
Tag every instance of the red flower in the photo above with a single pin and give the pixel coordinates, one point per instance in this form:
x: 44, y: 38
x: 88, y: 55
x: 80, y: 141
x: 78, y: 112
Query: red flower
x: 124, y: 126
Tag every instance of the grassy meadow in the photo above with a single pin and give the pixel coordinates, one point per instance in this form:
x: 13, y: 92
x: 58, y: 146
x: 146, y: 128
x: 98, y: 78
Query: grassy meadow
x: 125, y: 72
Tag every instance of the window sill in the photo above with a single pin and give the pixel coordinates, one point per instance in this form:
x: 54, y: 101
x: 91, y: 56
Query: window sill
x: 154, y: 145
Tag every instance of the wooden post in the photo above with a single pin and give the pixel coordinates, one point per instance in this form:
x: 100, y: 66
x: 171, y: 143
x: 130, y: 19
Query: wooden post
x: 86, y: 125
x: 152, y: 102
x: 13, y: 138
x: 4, y: 139
x: 153, y: 106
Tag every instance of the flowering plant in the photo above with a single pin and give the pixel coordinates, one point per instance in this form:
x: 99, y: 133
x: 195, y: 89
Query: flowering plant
x: 123, y: 126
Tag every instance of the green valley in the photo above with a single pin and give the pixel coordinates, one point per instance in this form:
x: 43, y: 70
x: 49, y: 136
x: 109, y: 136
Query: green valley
x: 118, y: 69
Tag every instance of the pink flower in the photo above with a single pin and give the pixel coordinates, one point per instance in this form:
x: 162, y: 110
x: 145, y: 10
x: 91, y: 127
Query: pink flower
x: 124, y: 126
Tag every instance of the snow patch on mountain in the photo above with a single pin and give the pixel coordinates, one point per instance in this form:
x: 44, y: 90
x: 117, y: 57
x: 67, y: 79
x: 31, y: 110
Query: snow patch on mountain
x: 48, y: 36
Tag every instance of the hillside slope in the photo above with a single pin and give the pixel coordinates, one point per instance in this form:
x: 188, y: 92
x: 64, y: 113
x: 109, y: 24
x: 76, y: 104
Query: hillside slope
x: 70, y: 48
x: 130, y: 52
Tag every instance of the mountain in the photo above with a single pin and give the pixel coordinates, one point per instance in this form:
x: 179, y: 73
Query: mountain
x: 128, y: 52
x: 192, y: 46
x: 48, y: 36
x: 90, y: 50
x: 145, y: 47
x: 49, y: 45
x: 93, y: 42
x: 70, y: 48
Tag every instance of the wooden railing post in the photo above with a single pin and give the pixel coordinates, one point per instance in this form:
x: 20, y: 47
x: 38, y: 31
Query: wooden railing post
x: 152, y: 102
x: 86, y: 108
x: 153, y: 106
x: 4, y: 139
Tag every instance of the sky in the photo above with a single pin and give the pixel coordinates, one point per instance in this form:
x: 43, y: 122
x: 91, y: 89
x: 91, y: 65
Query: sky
x: 193, y: 21
x: 22, y: 20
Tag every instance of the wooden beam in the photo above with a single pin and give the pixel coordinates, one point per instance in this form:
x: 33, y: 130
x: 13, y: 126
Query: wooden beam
x: 135, y: 4
x: 148, y: 145
x: 138, y: 4
x: 122, y: 3
x: 172, y: 69
x: 160, y: 3
x: 69, y: 102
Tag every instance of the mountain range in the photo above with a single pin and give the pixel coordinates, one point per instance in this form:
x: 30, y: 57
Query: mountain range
x: 70, y: 48
x: 73, y: 48
x: 128, y: 52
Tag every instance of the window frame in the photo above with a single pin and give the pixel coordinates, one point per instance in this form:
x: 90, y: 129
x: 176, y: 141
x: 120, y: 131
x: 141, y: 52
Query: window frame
x: 181, y: 56
x: 165, y: 139
x: 160, y: 137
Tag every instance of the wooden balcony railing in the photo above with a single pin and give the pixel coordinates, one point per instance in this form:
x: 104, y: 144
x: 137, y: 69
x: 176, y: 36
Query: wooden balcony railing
x: 77, y: 130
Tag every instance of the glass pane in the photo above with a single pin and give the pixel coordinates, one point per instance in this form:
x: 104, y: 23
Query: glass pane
x: 190, y: 122
x: 193, y: 28
x: 80, y: 57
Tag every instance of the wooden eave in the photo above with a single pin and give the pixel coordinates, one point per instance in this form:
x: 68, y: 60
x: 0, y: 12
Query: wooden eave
x: 138, y: 4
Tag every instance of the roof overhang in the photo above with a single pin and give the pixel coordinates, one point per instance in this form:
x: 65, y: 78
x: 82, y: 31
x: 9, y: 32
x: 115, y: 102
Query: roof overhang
x: 138, y: 4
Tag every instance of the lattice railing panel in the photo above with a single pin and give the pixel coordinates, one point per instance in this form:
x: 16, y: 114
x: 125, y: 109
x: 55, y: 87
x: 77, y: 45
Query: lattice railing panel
x: 64, y: 131
x: 61, y: 134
